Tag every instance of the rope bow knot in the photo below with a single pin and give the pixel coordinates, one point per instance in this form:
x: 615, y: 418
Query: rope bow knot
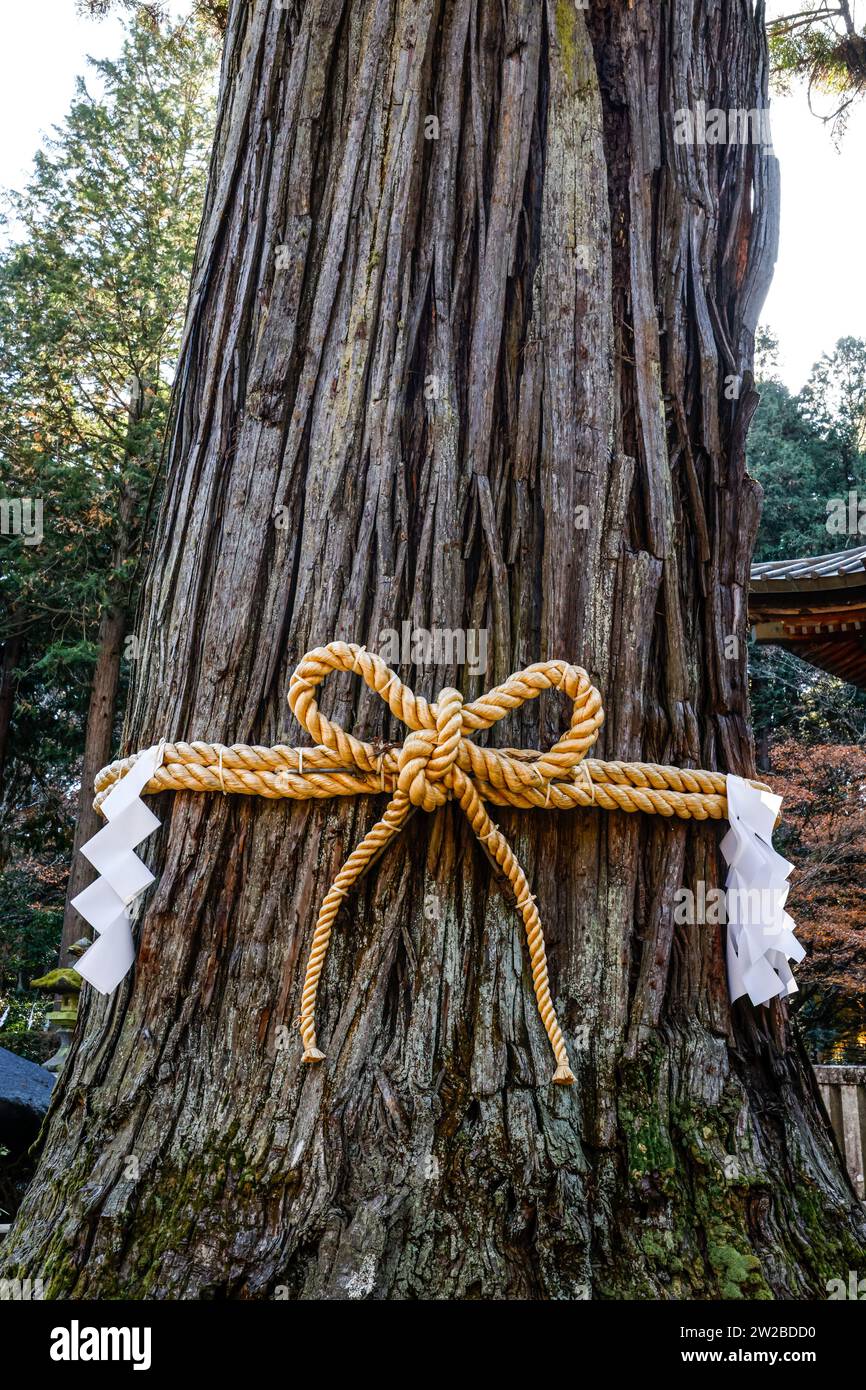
x: 437, y: 762
x: 427, y: 760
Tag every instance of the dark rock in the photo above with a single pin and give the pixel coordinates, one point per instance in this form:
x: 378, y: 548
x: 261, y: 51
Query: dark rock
x: 25, y: 1090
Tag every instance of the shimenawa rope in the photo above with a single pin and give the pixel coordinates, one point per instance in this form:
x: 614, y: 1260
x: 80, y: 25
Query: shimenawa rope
x: 437, y: 762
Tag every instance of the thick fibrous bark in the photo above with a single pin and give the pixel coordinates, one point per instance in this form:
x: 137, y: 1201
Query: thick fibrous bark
x: 486, y: 381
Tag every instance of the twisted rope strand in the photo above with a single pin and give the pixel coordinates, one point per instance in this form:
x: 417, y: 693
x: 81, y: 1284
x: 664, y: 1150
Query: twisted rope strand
x: 359, y: 861
x: 499, y: 850
x: 437, y: 762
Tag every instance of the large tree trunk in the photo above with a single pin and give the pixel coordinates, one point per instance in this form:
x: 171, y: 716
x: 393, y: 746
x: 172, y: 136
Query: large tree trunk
x: 577, y: 286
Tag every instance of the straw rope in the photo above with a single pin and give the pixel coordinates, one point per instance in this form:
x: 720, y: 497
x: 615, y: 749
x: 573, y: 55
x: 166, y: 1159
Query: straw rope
x: 437, y: 762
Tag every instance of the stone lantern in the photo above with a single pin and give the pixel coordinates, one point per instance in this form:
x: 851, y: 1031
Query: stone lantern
x: 65, y: 983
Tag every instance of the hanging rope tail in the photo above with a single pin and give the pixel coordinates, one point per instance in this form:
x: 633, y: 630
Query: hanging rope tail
x: 437, y: 762
x: 430, y: 771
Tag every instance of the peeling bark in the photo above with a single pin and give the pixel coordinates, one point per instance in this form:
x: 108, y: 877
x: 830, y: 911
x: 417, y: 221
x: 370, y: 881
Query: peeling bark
x: 580, y: 286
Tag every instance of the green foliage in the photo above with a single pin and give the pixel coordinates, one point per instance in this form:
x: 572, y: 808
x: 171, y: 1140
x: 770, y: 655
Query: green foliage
x: 808, y: 449
x: 821, y: 45
x: 782, y: 451
x: 93, y: 287
x: 31, y: 915
x: 212, y: 13
x: 31, y: 909
x: 833, y: 405
x: 91, y: 302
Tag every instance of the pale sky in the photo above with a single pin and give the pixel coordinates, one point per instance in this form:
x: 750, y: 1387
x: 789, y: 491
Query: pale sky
x: 819, y: 291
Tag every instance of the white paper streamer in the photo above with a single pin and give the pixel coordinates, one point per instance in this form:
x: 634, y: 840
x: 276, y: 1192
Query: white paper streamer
x: 761, y: 937
x: 105, y: 903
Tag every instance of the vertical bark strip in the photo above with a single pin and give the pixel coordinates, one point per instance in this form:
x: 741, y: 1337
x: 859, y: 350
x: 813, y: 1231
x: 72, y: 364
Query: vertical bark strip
x: 577, y: 286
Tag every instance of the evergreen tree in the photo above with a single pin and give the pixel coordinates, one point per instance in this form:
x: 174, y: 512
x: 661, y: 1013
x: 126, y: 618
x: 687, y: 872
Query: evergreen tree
x: 808, y: 452
x: 791, y: 462
x: 92, y: 295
